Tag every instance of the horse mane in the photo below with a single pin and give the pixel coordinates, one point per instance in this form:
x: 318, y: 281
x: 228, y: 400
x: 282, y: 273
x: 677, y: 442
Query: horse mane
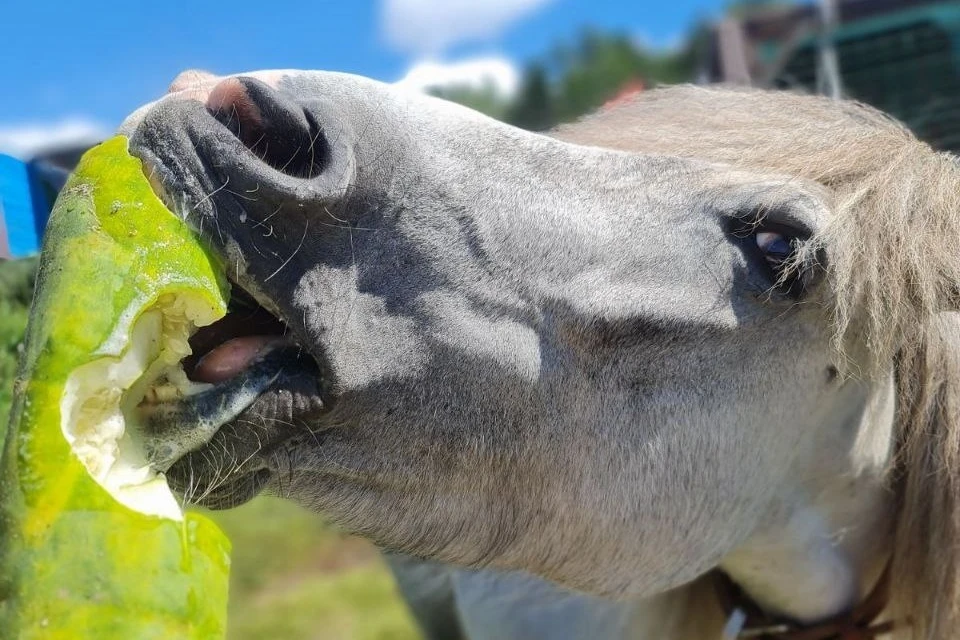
x: 893, y: 262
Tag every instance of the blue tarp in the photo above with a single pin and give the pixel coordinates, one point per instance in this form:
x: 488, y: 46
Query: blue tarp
x: 27, y: 191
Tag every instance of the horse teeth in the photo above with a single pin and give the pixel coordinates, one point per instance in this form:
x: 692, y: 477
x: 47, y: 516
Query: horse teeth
x: 165, y: 393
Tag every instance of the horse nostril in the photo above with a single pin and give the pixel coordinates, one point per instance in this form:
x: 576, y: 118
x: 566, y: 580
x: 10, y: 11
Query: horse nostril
x: 271, y: 125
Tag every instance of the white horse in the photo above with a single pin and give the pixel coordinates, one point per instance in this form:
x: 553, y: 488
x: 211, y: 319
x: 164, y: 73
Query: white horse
x: 685, y: 367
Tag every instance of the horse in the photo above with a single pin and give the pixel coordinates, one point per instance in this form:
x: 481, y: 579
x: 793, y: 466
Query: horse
x: 684, y: 368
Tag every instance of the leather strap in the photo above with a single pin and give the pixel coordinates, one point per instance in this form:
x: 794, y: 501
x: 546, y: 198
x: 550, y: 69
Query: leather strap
x: 857, y: 624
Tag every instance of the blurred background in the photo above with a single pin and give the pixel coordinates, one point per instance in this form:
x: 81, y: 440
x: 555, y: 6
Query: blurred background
x: 71, y: 71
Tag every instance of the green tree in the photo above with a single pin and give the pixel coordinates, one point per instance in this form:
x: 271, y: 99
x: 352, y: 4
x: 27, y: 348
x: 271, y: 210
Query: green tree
x: 16, y: 290
x: 532, y: 108
x: 486, y: 99
x: 602, y: 64
x: 576, y: 78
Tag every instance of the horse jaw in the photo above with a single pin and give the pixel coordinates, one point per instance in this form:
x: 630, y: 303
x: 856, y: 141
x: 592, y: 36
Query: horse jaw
x: 829, y: 540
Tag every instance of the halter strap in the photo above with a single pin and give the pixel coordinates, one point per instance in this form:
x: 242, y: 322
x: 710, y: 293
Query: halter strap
x: 747, y: 621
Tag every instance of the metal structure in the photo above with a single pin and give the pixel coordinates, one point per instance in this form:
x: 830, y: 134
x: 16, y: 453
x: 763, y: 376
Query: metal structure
x: 902, y: 56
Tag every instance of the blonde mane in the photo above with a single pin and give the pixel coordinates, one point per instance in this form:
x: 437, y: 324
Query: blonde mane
x: 893, y: 261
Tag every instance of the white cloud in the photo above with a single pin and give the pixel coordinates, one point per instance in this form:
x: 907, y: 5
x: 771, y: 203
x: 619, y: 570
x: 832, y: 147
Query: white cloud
x: 25, y: 140
x: 428, y: 27
x: 475, y: 73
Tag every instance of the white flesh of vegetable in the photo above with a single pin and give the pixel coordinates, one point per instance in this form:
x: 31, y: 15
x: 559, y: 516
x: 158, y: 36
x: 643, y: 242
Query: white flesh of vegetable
x: 98, y: 408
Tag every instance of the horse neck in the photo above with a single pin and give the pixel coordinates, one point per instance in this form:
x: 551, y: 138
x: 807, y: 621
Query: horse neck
x: 823, y: 555
x: 821, y: 550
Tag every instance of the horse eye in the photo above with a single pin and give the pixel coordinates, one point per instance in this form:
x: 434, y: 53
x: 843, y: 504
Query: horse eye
x: 777, y: 248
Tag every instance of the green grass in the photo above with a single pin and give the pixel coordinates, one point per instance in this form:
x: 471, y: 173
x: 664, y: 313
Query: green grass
x: 13, y: 318
x: 293, y: 576
x: 360, y: 604
x: 16, y: 280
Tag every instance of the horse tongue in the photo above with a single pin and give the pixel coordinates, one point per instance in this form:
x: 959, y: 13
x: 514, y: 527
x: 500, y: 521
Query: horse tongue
x: 230, y: 358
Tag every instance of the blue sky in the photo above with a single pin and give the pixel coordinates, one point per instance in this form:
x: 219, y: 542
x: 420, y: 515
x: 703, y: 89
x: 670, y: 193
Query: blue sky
x: 78, y: 67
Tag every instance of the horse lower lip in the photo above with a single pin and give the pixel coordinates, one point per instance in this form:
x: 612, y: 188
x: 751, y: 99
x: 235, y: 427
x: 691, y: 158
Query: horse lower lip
x: 173, y: 429
x: 238, y: 490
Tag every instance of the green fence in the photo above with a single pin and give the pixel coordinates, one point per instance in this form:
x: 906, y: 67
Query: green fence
x: 906, y: 63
